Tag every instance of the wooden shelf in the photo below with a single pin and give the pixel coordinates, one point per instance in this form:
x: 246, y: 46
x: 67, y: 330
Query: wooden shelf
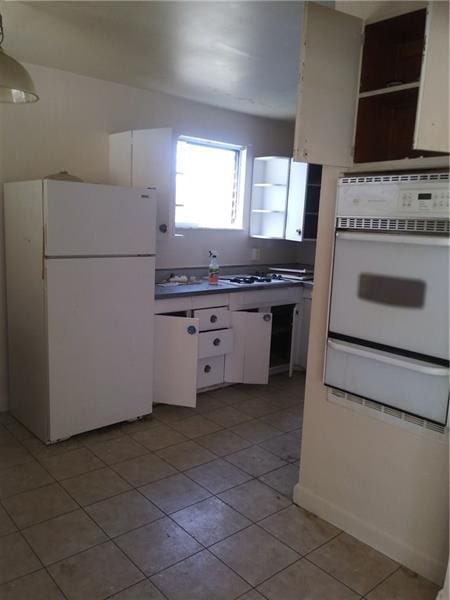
x: 390, y: 90
x: 269, y: 185
x: 266, y: 237
x: 268, y: 211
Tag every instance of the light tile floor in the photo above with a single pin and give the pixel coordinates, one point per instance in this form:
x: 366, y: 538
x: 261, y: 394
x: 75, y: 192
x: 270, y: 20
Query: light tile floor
x: 184, y: 505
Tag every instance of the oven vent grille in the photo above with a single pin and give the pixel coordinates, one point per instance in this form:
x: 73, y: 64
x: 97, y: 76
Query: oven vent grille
x: 377, y: 179
x: 386, y: 412
x: 393, y: 224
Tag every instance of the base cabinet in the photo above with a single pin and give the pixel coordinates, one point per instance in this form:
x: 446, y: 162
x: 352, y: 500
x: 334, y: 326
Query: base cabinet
x: 175, y: 362
x: 187, y: 358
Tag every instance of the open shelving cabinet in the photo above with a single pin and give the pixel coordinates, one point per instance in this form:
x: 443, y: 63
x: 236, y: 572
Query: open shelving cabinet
x: 389, y: 88
x: 285, y: 199
x: 376, y: 92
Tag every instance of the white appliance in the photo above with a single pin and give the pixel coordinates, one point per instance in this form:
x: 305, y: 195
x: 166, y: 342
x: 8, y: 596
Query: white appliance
x: 388, y: 330
x: 80, y: 262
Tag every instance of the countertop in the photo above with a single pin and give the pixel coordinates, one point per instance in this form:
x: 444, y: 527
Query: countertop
x: 223, y: 287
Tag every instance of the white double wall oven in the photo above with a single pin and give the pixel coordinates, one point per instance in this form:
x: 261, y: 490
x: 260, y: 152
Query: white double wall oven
x: 388, y: 330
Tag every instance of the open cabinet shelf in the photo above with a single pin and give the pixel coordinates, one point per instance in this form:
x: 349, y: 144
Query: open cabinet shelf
x: 389, y: 89
x: 288, y: 208
x: 393, y: 51
x: 375, y: 93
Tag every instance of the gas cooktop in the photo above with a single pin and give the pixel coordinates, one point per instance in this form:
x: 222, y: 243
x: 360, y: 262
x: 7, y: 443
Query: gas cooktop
x: 243, y: 279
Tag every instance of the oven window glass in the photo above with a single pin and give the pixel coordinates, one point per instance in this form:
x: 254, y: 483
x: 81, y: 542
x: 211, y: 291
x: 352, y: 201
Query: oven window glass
x: 394, y: 291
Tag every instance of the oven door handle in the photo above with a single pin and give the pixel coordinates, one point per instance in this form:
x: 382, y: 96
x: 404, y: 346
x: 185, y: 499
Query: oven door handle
x: 416, y: 240
x: 389, y: 359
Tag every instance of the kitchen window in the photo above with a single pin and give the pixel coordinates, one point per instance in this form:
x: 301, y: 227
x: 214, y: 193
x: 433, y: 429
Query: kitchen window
x: 209, y: 184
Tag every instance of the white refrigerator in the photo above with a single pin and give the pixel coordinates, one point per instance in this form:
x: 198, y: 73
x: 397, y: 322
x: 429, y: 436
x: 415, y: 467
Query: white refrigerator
x: 80, y: 271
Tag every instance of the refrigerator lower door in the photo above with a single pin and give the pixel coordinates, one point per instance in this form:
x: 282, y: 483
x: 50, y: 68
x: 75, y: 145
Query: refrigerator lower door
x: 100, y: 341
x: 409, y: 385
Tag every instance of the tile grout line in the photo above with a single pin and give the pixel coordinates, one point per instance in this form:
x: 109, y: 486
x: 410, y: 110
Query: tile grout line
x: 384, y: 579
x: 111, y: 466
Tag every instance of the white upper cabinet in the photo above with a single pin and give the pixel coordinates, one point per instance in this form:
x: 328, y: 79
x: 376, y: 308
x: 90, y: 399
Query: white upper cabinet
x: 285, y: 199
x: 269, y: 196
x: 382, y: 101
x: 432, y: 120
x: 328, y: 86
x: 147, y: 158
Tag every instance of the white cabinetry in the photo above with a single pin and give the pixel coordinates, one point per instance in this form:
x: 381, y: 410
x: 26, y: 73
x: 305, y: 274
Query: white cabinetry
x: 213, y: 339
x: 405, y: 118
x: 285, y: 199
x: 192, y: 353
x: 147, y: 158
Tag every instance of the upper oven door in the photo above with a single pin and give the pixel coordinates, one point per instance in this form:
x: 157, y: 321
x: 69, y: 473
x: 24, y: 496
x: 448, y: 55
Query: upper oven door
x: 392, y: 289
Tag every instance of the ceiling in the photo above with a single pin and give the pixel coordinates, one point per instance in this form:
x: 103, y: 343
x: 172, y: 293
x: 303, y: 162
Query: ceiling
x: 240, y: 56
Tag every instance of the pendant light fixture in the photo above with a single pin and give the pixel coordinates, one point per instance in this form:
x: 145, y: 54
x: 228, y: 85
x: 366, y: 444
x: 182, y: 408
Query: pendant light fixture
x: 16, y: 85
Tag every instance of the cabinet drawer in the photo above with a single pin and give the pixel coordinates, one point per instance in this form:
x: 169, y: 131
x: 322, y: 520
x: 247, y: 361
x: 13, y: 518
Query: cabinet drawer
x: 210, y: 371
x: 213, y: 318
x: 215, y: 343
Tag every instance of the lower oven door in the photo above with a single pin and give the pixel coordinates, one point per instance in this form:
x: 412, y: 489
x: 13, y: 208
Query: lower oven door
x: 409, y: 385
x: 393, y: 290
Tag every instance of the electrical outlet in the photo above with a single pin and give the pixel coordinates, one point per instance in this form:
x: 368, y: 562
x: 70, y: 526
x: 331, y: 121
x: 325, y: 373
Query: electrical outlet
x: 256, y: 254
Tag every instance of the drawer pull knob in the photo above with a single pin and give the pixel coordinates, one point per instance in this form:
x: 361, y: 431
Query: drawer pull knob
x: 191, y: 330
x: 216, y: 342
x: 213, y: 319
x: 207, y: 368
x: 266, y: 317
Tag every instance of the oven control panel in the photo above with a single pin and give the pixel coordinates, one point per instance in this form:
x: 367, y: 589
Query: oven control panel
x: 386, y: 197
x: 424, y: 201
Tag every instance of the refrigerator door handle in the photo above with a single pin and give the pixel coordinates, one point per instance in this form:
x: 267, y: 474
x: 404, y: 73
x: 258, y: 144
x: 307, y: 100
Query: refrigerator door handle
x: 389, y: 359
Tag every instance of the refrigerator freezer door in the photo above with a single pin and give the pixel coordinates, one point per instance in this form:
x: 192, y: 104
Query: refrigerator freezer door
x: 100, y: 341
x: 82, y: 219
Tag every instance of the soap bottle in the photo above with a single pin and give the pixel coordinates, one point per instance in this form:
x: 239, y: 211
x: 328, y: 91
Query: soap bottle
x: 213, y: 269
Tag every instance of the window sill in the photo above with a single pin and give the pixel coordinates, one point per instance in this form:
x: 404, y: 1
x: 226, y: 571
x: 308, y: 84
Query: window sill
x: 193, y: 228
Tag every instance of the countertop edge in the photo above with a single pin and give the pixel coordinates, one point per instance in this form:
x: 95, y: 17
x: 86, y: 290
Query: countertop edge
x: 180, y: 292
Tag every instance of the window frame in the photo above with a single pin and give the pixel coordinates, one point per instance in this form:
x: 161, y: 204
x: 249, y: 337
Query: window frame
x: 240, y: 196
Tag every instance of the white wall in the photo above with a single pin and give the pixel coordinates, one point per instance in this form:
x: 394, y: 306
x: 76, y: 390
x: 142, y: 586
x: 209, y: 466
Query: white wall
x: 68, y: 130
x: 383, y: 484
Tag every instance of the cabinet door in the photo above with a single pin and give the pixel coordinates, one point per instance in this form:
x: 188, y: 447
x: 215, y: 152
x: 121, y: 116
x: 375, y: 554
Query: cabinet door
x: 176, y: 351
x: 250, y: 359
x: 153, y: 165
x: 296, y: 201
x: 432, y: 119
x: 302, y: 316
x: 304, y: 333
x: 328, y: 86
